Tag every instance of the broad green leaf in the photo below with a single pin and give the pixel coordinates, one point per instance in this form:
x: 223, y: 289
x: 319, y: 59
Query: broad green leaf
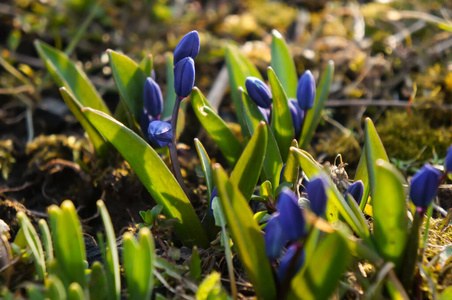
x: 138, y: 257
x: 314, y: 115
x: 97, y: 282
x: 216, y: 127
x: 68, y: 242
x: 272, y: 162
x: 374, y: 150
x: 46, y: 239
x: 99, y: 143
x: 67, y: 74
x: 129, y: 79
x: 239, y: 68
x: 55, y: 288
x: 111, y: 253
x: 323, y: 271
x: 311, y: 168
x: 390, y: 221
x: 147, y: 64
x: 283, y: 64
x: 290, y: 173
x: 170, y: 95
x: 248, y: 168
x: 246, y: 234
x: 281, y: 123
x: 154, y: 175
x: 363, y: 175
x: 75, y: 292
x: 34, y: 243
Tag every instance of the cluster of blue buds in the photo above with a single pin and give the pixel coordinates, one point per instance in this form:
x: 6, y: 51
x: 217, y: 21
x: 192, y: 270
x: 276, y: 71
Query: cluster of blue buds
x: 424, y: 186
x: 286, y: 226
x: 184, y: 64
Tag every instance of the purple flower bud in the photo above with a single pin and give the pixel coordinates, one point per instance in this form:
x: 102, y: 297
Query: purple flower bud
x: 160, y: 134
x: 275, y: 239
x: 187, y: 47
x: 152, y: 97
x: 145, y: 119
x: 258, y: 91
x: 265, y: 113
x: 212, y: 196
x: 297, y: 116
x: 316, y: 190
x: 449, y: 160
x: 424, y: 186
x: 356, y: 190
x: 287, y: 260
x: 306, y: 90
x: 184, y: 77
x: 291, y: 218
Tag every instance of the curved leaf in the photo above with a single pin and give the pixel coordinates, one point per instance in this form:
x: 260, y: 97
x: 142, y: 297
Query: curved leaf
x: 248, y: 168
x: 239, y: 68
x: 170, y: 94
x: 314, y: 115
x: 363, y: 175
x: 216, y: 127
x: 147, y: 64
x: 281, y: 123
x: 283, y: 64
x: 390, y: 212
x: 246, y: 234
x: 129, y: 79
x: 67, y: 74
x: 154, y: 175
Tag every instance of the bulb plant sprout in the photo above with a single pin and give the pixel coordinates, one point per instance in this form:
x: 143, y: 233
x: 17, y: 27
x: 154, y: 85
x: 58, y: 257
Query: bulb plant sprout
x: 286, y: 249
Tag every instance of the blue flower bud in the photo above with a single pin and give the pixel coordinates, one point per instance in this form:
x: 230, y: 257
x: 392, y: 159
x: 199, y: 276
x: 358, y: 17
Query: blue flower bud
x: 187, y: 47
x: 424, y: 186
x: 160, y: 134
x: 212, y: 196
x: 258, y: 91
x: 316, y: 190
x: 287, y: 260
x: 291, y: 218
x: 152, y: 97
x: 449, y: 160
x: 184, y: 77
x: 265, y: 113
x: 145, y: 119
x: 306, y: 91
x: 297, y: 116
x: 275, y: 238
x: 356, y: 190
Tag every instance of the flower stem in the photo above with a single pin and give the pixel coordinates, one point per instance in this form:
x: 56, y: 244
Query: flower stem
x: 173, y: 149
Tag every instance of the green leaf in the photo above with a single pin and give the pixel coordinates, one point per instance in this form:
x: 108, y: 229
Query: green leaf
x: 206, y: 166
x: 272, y: 162
x: 290, y: 173
x: 129, y: 79
x: 170, y: 95
x: 248, y: 168
x: 247, y: 237
x: 68, y: 242
x: 211, y: 288
x: 55, y: 288
x: 147, y: 64
x: 195, y: 265
x: 34, y: 243
x: 389, y: 209
x: 311, y: 168
x: 281, y: 123
x: 446, y: 294
x: 111, y: 253
x: 97, y: 282
x: 33, y: 293
x: 283, y: 64
x: 46, y: 239
x: 99, y: 143
x: 363, y: 175
x: 314, y: 115
x: 216, y: 127
x: 67, y: 74
x: 239, y: 68
x: 374, y: 150
x: 323, y: 271
x: 154, y: 175
x: 75, y: 292
x: 138, y: 257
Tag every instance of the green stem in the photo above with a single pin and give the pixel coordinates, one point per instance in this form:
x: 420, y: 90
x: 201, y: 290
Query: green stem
x: 173, y: 149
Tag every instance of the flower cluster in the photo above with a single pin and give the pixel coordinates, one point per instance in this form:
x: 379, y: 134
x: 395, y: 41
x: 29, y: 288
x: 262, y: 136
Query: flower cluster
x: 184, y: 64
x: 260, y: 93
